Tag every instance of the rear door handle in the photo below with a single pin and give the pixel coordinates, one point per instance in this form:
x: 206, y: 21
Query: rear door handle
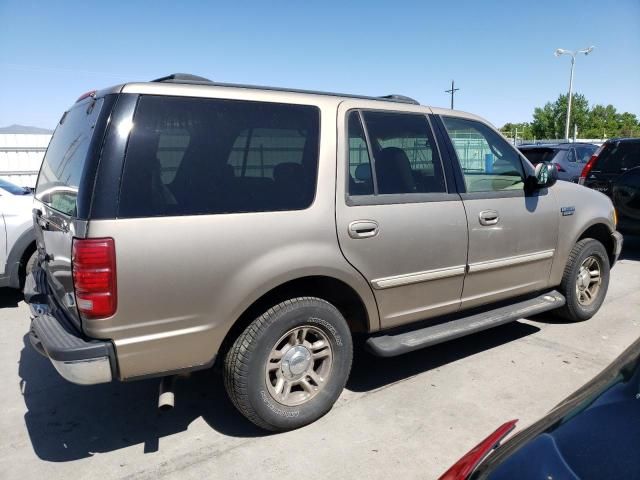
x: 489, y: 217
x: 363, y: 229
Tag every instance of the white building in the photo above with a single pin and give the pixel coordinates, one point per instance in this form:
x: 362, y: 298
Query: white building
x: 21, y: 153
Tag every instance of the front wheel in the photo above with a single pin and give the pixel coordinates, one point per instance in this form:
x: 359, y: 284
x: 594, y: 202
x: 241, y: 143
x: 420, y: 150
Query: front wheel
x: 585, y: 280
x: 290, y: 365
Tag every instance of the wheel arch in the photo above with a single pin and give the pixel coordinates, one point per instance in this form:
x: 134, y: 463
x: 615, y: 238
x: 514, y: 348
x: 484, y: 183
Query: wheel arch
x: 601, y: 233
x: 335, y: 291
x: 20, y: 252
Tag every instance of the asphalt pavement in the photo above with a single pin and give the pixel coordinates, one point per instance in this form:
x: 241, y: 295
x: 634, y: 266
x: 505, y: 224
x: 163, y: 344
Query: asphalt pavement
x: 406, y: 417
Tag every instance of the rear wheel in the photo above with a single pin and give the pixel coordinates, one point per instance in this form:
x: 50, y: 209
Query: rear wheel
x: 585, y: 280
x: 290, y: 365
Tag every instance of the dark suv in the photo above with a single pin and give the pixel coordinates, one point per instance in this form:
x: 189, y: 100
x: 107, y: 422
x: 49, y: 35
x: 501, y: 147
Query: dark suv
x: 569, y: 158
x: 615, y: 171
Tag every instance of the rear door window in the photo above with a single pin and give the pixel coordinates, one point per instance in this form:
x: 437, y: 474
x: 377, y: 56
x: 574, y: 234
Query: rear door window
x: 64, y: 162
x: 191, y: 156
x: 404, y: 157
x: 584, y: 153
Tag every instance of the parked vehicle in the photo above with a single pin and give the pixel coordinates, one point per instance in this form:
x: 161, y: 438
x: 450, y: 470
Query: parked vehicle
x: 569, y: 158
x: 593, y: 434
x: 17, y: 240
x: 615, y: 171
x: 180, y: 222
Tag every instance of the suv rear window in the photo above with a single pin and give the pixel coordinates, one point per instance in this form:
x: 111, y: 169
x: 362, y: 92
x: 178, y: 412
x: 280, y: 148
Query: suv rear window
x: 539, y: 155
x: 619, y: 157
x: 194, y: 156
x: 64, y: 162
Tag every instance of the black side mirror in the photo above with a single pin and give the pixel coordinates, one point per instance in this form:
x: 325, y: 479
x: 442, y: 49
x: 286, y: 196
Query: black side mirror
x: 545, y: 176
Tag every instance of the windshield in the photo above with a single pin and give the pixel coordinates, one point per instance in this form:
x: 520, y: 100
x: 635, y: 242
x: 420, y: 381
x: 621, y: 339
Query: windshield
x: 13, y: 188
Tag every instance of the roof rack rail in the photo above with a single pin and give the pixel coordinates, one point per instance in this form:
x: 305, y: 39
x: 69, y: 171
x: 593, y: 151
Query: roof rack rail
x: 182, y: 78
x: 400, y: 98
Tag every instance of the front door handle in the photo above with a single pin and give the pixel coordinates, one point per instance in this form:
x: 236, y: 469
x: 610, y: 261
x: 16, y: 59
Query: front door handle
x: 363, y: 229
x: 489, y: 217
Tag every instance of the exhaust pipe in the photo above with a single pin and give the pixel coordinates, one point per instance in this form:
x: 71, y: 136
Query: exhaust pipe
x: 166, y: 399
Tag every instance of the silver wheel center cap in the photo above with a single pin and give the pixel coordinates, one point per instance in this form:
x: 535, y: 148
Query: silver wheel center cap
x: 296, y: 361
x: 583, y: 279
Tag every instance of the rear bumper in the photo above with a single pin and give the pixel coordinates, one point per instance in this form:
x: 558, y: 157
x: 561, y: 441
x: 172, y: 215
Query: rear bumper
x: 78, y: 359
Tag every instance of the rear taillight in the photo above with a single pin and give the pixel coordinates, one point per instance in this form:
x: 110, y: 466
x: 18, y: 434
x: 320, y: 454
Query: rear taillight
x: 589, y: 166
x: 94, y: 276
x: 467, y: 464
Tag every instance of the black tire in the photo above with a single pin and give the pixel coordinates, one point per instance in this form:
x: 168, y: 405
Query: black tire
x: 573, y: 310
x: 244, y: 370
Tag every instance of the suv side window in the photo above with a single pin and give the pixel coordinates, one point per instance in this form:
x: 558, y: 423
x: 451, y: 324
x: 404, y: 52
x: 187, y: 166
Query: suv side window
x: 360, y: 178
x: 404, y: 153
x: 191, y: 156
x: 488, y: 162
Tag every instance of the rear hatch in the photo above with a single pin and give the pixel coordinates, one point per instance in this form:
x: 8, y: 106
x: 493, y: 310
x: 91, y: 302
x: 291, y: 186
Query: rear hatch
x: 613, y: 160
x: 63, y: 193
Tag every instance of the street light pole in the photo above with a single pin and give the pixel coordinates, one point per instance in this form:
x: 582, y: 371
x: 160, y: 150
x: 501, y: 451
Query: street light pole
x: 562, y: 51
x: 566, y: 127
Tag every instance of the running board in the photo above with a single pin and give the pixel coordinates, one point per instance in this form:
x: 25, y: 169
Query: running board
x: 390, y: 345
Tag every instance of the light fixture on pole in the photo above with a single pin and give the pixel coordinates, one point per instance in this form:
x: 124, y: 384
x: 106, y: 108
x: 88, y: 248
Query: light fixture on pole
x: 562, y: 51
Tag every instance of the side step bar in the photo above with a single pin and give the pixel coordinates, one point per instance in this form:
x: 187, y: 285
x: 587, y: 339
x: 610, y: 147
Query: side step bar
x: 390, y: 345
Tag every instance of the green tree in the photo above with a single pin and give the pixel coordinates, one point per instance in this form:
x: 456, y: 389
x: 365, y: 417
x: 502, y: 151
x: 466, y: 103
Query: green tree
x: 598, y: 122
x: 523, y: 130
x: 628, y: 125
x: 603, y: 121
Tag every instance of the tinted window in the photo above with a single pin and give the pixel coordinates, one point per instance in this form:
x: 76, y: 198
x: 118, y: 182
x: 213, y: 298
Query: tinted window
x: 538, y: 155
x: 191, y: 156
x: 618, y: 157
x: 64, y: 161
x: 405, y: 159
x: 360, y: 179
x: 584, y: 153
x: 488, y: 162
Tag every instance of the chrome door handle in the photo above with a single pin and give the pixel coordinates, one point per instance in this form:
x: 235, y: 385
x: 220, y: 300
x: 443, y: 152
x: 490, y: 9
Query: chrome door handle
x: 489, y: 217
x: 363, y: 229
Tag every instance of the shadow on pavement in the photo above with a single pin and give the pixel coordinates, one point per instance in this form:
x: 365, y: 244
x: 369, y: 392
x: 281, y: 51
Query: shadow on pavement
x: 68, y: 422
x: 370, y: 372
x: 10, y: 297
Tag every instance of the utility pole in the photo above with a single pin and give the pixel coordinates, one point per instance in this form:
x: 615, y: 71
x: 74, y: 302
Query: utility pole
x: 452, y: 91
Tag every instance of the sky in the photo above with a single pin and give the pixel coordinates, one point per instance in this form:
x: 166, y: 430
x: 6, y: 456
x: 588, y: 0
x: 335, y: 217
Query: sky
x: 499, y: 53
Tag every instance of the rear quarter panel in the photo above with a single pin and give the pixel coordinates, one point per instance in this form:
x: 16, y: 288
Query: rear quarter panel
x: 184, y: 281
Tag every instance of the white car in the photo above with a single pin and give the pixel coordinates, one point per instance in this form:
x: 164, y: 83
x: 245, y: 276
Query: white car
x: 17, y: 241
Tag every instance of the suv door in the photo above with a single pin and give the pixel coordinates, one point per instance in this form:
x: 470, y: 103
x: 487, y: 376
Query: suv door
x: 399, y: 220
x: 512, y: 235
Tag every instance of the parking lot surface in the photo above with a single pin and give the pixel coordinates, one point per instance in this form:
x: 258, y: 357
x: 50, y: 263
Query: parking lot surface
x: 405, y: 417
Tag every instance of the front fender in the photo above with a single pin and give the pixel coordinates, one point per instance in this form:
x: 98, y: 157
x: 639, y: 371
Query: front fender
x: 590, y: 208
